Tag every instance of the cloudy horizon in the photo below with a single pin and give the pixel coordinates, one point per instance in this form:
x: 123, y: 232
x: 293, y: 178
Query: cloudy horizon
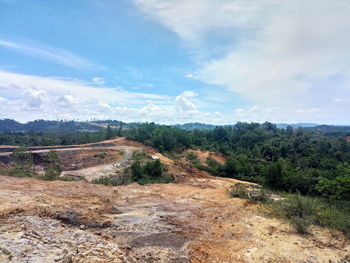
x: 179, y: 61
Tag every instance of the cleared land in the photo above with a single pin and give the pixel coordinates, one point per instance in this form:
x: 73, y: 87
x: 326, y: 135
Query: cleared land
x: 193, y: 220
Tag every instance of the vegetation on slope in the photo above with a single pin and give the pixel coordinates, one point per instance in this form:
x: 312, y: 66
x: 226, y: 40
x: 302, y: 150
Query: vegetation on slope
x: 283, y: 159
x: 300, y: 211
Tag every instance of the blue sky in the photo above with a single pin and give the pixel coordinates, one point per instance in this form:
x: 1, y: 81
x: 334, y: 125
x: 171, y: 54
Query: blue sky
x: 176, y: 61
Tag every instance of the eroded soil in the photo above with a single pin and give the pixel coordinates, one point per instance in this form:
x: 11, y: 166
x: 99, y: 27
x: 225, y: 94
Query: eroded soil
x: 191, y: 222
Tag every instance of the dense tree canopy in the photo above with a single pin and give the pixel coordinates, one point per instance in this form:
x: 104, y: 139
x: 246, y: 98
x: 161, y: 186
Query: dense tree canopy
x: 286, y: 159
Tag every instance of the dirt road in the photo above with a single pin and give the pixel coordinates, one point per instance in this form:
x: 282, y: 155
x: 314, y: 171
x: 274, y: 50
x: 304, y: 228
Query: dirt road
x: 98, y: 171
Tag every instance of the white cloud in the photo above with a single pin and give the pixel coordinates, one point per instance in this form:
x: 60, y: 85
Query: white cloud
x: 285, y: 55
x: 66, y: 100
x: 98, y: 80
x: 189, y: 76
x: 48, y: 53
x: 193, y: 20
x: 183, y: 102
x: 34, y: 97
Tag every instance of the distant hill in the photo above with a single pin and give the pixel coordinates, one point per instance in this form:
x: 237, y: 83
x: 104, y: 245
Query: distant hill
x: 203, y: 126
x: 194, y: 125
x: 331, y: 130
x: 296, y: 125
x: 8, y: 125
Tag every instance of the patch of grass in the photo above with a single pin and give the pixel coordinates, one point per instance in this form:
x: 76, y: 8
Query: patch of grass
x: 302, y: 211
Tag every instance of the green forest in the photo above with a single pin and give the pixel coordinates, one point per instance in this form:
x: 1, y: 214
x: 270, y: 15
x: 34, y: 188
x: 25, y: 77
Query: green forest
x: 293, y: 160
x: 312, y: 161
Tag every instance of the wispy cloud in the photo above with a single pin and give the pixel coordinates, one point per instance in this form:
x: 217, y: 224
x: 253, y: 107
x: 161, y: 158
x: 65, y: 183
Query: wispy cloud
x: 289, y: 55
x: 49, y: 53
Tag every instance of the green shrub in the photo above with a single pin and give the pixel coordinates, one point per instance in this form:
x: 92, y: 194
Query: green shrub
x: 339, y: 187
x: 153, y: 169
x: 53, y: 170
x: 136, y: 170
x: 24, y: 166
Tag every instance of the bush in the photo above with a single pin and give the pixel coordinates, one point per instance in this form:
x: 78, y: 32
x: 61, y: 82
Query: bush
x: 24, y: 163
x: 136, y: 170
x: 339, y: 187
x: 149, y: 173
x: 153, y: 169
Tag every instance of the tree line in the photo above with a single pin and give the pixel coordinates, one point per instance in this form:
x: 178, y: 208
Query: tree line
x: 285, y: 159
